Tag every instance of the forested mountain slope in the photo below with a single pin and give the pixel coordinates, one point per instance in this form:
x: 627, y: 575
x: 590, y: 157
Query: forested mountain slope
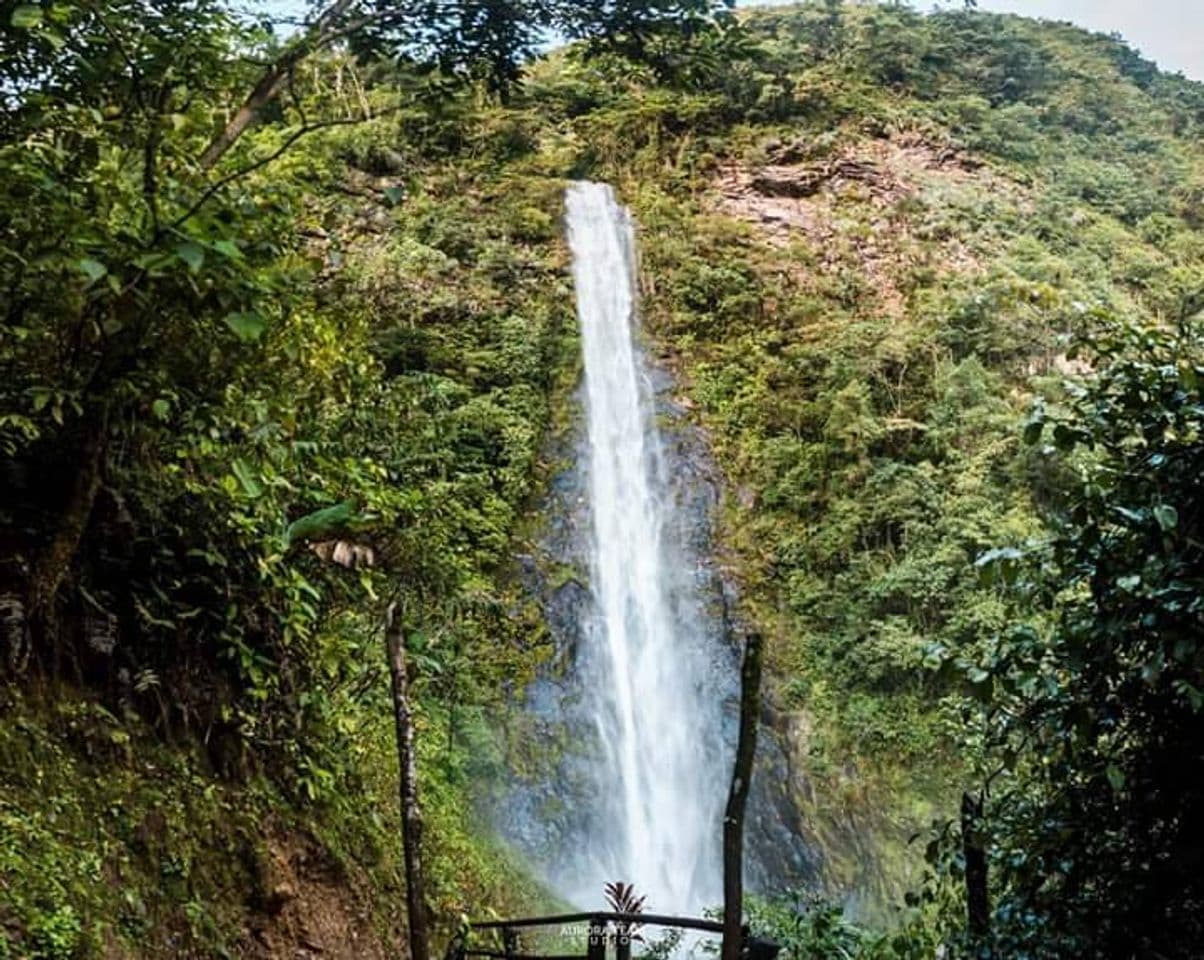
x: 871, y: 240
x: 865, y: 283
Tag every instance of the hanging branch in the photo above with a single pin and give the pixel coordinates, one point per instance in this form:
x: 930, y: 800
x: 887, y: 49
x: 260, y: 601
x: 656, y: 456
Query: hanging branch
x: 251, y: 167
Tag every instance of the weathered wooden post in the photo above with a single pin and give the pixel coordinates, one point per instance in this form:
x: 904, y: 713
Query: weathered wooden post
x: 597, y: 939
x: 623, y: 941
x: 978, y: 902
x: 737, y: 799
x: 411, y: 813
x: 509, y: 942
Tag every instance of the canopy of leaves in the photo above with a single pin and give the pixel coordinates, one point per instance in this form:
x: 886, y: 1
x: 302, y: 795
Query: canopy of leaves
x: 493, y: 40
x: 1092, y: 726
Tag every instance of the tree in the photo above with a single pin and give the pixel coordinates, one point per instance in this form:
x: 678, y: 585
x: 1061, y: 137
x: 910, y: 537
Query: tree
x: 482, y: 39
x: 1092, y: 816
x: 137, y: 239
x: 112, y: 276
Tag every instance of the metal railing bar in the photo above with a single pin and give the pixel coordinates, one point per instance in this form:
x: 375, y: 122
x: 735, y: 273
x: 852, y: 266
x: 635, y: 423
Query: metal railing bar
x: 533, y: 921
x: 497, y: 954
x: 642, y: 919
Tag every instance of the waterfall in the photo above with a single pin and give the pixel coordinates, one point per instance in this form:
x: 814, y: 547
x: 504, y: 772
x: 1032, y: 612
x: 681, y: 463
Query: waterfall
x: 658, y: 771
x: 617, y: 765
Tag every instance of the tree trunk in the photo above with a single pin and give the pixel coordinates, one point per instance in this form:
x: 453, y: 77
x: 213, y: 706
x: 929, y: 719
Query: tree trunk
x: 273, y: 81
x: 978, y: 904
x: 267, y: 90
x: 51, y: 564
x: 737, y: 799
x: 411, y: 813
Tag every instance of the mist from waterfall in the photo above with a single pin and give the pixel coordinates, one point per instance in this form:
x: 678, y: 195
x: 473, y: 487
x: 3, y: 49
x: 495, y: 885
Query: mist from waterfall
x: 658, y: 775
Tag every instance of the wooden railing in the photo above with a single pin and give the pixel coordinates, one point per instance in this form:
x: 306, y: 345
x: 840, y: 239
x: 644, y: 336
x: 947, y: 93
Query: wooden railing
x: 603, y: 928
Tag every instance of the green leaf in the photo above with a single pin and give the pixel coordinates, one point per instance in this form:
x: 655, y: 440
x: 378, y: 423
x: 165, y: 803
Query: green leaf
x: 1134, y: 516
x: 153, y: 263
x: 1194, y: 696
x: 247, y: 326
x: 1184, y: 649
x: 319, y: 522
x: 192, y: 254
x: 228, y: 248
x: 250, y: 484
x: 999, y: 566
x: 1116, y: 777
x: 1167, y: 516
x: 161, y: 408
x: 92, y: 269
x: 394, y: 195
x: 26, y: 15
x: 1065, y: 438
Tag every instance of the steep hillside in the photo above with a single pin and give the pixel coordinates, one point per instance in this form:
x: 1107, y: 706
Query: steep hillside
x: 196, y: 754
x: 867, y: 247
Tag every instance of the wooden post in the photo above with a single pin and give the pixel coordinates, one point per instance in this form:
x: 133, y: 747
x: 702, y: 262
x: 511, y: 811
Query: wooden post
x: 597, y: 940
x: 737, y: 799
x: 978, y: 902
x: 411, y: 813
x: 509, y: 942
x: 623, y: 941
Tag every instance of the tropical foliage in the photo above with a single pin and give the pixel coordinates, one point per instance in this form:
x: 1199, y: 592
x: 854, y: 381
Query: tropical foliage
x: 1090, y: 726
x: 931, y: 283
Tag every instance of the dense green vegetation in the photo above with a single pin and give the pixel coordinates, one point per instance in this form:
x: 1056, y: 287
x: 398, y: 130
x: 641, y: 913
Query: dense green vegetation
x: 864, y: 356
x: 864, y: 371
x: 201, y: 404
x: 931, y: 283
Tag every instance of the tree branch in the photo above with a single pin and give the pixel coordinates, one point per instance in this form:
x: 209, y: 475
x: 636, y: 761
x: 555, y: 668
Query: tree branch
x: 272, y: 82
x: 264, y: 161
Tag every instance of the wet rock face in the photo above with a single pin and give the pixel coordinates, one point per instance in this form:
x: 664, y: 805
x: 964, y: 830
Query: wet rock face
x: 539, y: 810
x: 564, y: 609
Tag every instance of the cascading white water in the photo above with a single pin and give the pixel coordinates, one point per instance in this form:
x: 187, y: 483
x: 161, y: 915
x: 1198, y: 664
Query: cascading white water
x: 620, y: 759
x: 660, y: 776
